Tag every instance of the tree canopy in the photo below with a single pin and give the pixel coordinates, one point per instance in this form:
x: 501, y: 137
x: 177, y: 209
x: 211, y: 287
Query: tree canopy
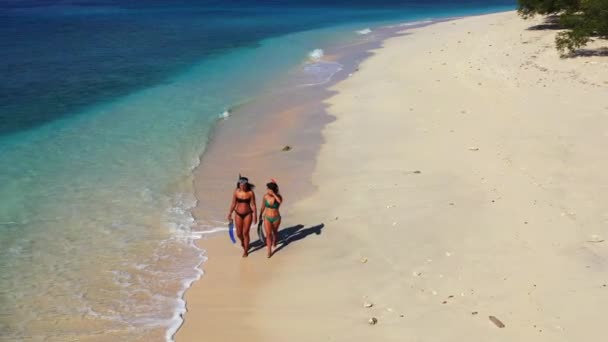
x: 529, y: 8
x: 581, y: 19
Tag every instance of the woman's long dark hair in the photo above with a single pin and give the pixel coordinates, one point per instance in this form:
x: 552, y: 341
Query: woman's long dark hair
x: 248, y: 186
x: 275, y: 188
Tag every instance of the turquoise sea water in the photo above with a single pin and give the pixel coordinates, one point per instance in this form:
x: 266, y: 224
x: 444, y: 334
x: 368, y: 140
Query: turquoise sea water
x: 105, y: 108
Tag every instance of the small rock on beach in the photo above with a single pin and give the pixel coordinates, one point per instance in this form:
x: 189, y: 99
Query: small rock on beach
x: 496, y: 322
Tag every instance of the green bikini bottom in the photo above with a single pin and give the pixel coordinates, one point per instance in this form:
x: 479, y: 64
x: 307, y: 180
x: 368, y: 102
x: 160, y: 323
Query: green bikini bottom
x: 272, y: 219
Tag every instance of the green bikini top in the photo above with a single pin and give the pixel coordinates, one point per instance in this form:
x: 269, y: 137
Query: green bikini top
x: 273, y: 206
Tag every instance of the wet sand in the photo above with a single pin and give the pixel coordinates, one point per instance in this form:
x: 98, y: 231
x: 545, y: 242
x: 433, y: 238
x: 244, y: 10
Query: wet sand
x: 462, y: 178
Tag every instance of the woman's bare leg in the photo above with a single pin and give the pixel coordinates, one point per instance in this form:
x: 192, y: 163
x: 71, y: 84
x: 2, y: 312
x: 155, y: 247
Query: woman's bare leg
x: 275, y: 232
x: 270, y: 238
x: 238, y: 224
x: 246, y: 228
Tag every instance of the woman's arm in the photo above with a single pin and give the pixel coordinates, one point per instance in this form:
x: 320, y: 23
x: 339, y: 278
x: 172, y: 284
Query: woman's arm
x: 277, y: 197
x: 263, y: 208
x: 255, y: 209
x: 232, y: 206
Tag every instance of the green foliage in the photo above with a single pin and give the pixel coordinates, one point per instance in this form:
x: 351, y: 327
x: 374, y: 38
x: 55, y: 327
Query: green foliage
x: 582, y: 19
x: 590, y: 21
x: 595, y: 16
x: 571, y: 41
x: 530, y: 8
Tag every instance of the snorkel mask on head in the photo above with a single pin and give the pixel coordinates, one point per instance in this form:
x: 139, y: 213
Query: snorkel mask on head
x: 244, y: 182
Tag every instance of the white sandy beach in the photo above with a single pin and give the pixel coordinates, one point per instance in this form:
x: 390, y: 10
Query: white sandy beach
x: 464, y: 177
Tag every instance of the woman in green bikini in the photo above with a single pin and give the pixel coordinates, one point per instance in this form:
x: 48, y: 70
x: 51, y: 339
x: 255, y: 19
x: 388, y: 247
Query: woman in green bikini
x: 271, y: 215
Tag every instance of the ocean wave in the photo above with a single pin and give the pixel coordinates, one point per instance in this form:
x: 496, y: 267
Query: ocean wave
x: 179, y: 217
x: 225, y: 114
x: 178, y: 317
x: 316, y: 55
x: 413, y: 23
x: 319, y: 73
x: 185, y: 230
x: 197, y: 235
x: 364, y: 31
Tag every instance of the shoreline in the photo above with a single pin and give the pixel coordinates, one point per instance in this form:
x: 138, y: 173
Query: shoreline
x: 479, y: 177
x: 287, y: 112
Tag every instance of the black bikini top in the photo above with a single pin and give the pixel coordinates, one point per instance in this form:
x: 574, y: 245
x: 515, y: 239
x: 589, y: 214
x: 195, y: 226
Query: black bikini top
x: 243, y: 200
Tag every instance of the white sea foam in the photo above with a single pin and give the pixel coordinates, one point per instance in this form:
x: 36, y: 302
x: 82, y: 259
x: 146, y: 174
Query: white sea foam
x: 364, y: 31
x: 15, y: 250
x: 178, y: 316
x: 179, y: 219
x: 413, y: 23
x: 185, y: 229
x: 225, y: 114
x: 316, y: 54
x: 319, y: 73
x: 197, y: 235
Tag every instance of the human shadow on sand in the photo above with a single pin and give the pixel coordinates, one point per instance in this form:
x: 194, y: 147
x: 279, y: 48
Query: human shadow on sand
x: 289, y: 235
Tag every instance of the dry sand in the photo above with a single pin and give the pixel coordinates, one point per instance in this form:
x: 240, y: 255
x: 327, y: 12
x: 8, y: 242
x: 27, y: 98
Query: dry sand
x: 464, y: 177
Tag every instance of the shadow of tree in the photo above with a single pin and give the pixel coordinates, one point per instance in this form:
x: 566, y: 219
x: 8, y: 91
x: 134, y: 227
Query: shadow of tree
x: 550, y: 23
x: 602, y: 52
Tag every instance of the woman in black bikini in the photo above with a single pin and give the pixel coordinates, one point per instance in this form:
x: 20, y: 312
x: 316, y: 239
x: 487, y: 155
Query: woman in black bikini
x: 243, y: 205
x: 271, y: 216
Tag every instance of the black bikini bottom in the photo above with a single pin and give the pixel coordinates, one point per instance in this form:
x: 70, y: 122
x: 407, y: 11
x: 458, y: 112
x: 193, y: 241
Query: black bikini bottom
x: 243, y: 216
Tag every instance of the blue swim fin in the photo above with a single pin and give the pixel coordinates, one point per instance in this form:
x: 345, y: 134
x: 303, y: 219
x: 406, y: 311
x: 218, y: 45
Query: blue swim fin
x: 231, y: 231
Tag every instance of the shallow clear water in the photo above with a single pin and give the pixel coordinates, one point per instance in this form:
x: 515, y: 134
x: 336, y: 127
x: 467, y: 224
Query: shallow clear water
x: 105, y: 108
